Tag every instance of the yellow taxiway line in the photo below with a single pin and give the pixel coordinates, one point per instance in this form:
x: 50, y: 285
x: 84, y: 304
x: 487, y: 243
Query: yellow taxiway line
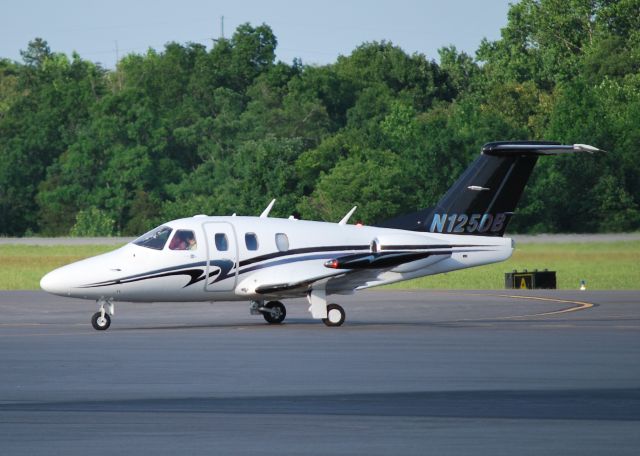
x: 577, y: 305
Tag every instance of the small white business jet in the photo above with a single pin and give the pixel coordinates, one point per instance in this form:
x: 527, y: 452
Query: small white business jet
x: 264, y: 260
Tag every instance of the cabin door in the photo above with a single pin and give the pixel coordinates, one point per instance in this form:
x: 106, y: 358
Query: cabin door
x: 222, y: 253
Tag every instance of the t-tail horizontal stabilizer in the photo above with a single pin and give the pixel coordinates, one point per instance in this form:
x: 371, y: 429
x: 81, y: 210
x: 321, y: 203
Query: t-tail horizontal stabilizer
x: 482, y: 201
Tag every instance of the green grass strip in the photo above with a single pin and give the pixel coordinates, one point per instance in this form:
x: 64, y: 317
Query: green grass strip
x: 22, y: 266
x: 604, y: 266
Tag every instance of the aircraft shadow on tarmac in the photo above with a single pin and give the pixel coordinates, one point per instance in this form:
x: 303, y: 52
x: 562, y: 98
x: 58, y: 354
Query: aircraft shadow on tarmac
x: 311, y: 324
x: 578, y: 404
x: 354, y: 324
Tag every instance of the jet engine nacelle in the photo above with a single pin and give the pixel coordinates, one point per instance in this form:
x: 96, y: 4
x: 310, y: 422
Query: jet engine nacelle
x: 404, y: 243
x: 401, y: 242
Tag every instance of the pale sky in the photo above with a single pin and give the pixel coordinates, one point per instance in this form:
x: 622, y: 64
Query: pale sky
x: 317, y: 32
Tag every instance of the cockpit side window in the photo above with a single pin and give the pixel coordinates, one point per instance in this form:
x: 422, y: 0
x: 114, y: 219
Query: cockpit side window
x: 183, y: 240
x: 222, y: 243
x: 154, y: 239
x: 251, y: 241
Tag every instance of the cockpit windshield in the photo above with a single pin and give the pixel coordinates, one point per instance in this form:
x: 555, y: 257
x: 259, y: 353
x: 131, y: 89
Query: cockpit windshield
x: 154, y: 239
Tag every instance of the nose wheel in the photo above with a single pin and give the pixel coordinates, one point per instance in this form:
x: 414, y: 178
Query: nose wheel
x: 335, y: 315
x: 100, y: 321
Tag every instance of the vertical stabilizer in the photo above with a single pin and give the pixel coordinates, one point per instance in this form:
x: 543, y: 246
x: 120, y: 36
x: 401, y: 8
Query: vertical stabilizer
x: 483, y: 200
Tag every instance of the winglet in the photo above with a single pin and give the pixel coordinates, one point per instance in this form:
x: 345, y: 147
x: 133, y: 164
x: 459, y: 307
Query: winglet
x: 346, y: 218
x: 265, y: 213
x: 534, y: 148
x: 586, y: 148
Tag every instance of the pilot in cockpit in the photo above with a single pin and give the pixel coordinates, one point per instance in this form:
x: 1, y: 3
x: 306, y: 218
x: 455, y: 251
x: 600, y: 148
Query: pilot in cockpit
x: 190, y: 241
x: 183, y: 240
x: 177, y: 243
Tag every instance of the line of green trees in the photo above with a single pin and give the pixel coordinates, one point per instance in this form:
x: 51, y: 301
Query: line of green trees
x: 188, y: 130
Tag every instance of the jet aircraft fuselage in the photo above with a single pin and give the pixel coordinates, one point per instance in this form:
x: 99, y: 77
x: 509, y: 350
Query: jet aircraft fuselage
x: 252, y: 258
x: 263, y: 260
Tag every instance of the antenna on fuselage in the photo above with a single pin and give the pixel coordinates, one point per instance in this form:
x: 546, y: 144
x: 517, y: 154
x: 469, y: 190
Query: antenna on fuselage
x: 346, y: 218
x: 265, y: 213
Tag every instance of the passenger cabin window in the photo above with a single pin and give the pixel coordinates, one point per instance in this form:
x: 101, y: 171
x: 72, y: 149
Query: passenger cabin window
x: 222, y: 243
x: 183, y: 240
x: 251, y: 241
x: 282, y: 242
x: 154, y: 239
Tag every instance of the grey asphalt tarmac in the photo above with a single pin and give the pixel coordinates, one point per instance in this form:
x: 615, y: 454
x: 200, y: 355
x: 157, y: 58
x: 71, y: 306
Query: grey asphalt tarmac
x: 444, y: 373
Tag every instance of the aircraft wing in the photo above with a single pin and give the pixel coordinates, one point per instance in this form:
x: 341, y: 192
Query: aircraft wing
x: 342, y: 282
x: 380, y: 260
x: 352, y: 271
x: 294, y: 288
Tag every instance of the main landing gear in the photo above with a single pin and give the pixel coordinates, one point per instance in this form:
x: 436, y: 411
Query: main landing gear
x: 101, y: 320
x: 330, y: 314
x: 274, y: 312
x: 335, y: 315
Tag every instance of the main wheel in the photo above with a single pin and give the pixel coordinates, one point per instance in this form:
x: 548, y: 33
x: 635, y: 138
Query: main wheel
x: 276, y: 313
x: 100, y: 322
x: 335, y: 315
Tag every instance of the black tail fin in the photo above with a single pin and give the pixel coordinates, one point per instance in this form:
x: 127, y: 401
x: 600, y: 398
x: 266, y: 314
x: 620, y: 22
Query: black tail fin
x: 482, y: 201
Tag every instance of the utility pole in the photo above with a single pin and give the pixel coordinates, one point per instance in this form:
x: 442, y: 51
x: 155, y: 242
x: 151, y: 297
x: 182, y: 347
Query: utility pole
x: 119, y: 74
x: 215, y: 40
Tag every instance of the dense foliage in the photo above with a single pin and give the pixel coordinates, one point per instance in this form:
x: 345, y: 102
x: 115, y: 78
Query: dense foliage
x: 190, y: 130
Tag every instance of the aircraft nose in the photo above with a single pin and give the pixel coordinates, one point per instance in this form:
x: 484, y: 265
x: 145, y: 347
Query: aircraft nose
x: 55, y: 282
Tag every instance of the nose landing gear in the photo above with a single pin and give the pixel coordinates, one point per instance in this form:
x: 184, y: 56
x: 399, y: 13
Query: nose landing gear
x: 101, y: 320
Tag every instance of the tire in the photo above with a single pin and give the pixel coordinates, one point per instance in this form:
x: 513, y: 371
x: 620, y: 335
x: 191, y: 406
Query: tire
x: 99, y: 323
x: 279, y: 314
x: 335, y: 315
